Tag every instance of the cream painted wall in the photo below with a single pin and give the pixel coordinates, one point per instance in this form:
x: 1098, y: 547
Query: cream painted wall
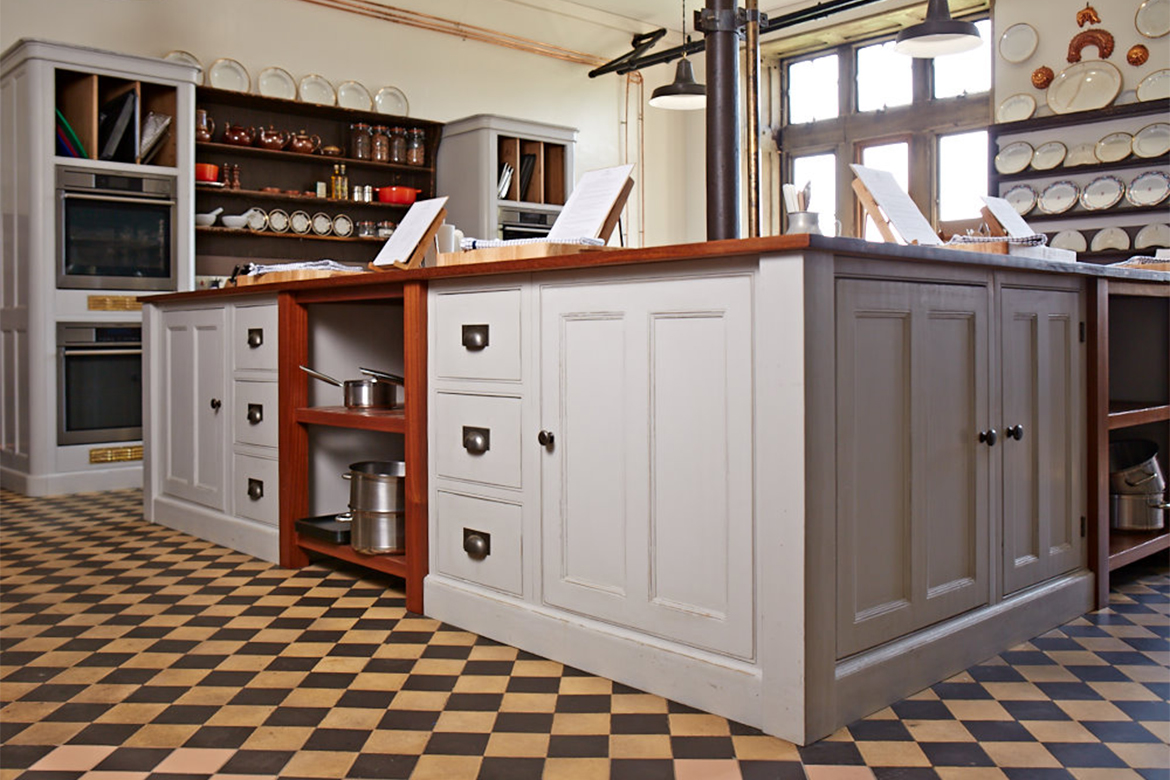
x: 444, y: 77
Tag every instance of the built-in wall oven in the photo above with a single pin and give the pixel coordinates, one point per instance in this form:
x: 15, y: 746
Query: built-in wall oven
x: 522, y: 223
x: 99, y: 382
x: 115, y: 230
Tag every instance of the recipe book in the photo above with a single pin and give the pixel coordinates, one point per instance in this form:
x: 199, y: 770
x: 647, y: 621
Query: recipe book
x: 593, y: 208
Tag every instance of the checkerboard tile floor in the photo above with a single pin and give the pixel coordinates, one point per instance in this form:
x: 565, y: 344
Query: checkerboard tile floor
x: 131, y: 651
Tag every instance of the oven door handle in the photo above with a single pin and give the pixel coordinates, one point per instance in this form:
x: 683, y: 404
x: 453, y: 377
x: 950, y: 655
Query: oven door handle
x: 69, y: 352
x: 117, y: 199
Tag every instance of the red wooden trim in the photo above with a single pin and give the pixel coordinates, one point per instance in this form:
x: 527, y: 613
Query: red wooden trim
x: 385, y: 420
x: 294, y: 439
x: 1125, y: 548
x: 388, y: 564
x: 1097, y: 304
x: 414, y: 328
x: 1128, y: 418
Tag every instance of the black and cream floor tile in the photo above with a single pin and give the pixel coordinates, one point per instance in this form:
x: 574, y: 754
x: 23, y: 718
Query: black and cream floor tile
x: 132, y: 652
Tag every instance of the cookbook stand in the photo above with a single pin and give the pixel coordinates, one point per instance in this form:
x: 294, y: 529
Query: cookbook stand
x: 414, y: 239
x: 873, y: 211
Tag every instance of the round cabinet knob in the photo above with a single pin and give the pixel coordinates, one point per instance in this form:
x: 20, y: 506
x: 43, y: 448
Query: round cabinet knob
x: 545, y: 438
x: 215, y: 404
x: 990, y: 436
x: 255, y: 414
x: 255, y: 489
x: 1015, y: 432
x: 255, y: 337
x: 475, y: 546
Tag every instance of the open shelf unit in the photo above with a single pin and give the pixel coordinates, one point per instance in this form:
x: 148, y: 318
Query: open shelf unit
x: 301, y: 311
x: 81, y: 97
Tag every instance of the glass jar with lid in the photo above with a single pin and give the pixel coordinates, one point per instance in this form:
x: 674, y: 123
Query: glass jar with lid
x: 416, y: 147
x: 398, y: 145
x: 359, y: 141
x: 381, y: 144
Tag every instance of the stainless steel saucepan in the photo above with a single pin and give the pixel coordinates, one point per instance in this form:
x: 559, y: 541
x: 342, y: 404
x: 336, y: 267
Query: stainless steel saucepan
x: 377, y: 391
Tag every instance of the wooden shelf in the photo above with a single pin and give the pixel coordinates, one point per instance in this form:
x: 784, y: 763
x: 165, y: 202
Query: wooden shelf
x: 1152, y: 107
x: 273, y: 154
x: 1061, y: 172
x: 297, y: 200
x: 1125, y: 547
x: 384, y: 420
x: 1126, y: 415
x: 223, y: 231
x: 388, y: 564
x: 1079, y: 213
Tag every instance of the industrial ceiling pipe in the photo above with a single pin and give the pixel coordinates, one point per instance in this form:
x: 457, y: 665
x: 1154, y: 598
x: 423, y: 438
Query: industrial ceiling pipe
x: 721, y: 32
x: 752, y: 104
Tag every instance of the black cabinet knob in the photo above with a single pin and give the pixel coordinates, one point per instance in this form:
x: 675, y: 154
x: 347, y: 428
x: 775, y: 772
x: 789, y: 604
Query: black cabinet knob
x: 1015, y: 432
x: 545, y: 438
x: 255, y: 413
x: 990, y: 436
x: 477, y: 440
x: 475, y: 337
x: 215, y: 404
x: 255, y: 489
x: 477, y: 544
x: 255, y: 337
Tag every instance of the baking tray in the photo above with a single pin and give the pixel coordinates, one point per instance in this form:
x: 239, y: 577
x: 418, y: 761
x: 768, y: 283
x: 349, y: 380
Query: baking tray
x: 325, y: 527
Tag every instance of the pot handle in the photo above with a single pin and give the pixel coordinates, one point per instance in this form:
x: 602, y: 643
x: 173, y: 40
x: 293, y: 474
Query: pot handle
x: 347, y: 475
x: 1159, y: 504
x: 322, y: 377
x: 383, y: 375
x: 1142, y: 481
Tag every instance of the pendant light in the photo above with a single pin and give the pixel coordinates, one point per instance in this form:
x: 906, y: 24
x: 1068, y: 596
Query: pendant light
x: 938, y: 34
x: 684, y: 93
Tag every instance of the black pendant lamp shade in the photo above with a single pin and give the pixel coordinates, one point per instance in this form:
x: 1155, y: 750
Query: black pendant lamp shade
x: 938, y: 34
x: 684, y: 93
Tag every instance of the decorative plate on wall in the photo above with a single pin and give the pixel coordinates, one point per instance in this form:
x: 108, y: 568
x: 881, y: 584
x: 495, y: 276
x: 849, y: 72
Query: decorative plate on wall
x: 1014, y: 157
x: 1148, y: 189
x: 351, y: 94
x: 1153, y: 18
x: 1015, y: 108
x: 277, y: 83
x: 391, y: 100
x: 278, y: 220
x: 316, y: 89
x: 1114, y: 147
x: 1069, y: 239
x: 1022, y: 197
x: 1152, y: 140
x: 1102, y: 193
x: 226, y: 73
x: 300, y: 222
x: 1155, y: 235
x: 1110, y: 238
x: 1048, y: 156
x: 1018, y: 42
x: 322, y: 224
x: 1154, y: 86
x: 1058, y: 197
x: 1080, y: 154
x: 1084, y: 86
x: 185, y: 57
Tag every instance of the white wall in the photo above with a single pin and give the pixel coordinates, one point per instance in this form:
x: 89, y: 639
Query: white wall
x: 443, y: 77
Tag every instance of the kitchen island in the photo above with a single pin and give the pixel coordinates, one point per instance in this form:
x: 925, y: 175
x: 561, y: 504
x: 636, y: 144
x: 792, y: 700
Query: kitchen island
x: 788, y: 480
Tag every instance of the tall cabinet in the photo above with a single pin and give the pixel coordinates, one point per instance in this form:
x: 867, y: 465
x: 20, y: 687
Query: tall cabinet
x: 39, y: 81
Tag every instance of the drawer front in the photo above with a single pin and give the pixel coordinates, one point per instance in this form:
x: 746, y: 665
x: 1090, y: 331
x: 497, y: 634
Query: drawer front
x: 256, y: 489
x: 477, y: 335
x: 255, y: 416
x: 490, y: 530
x: 254, y: 337
x: 477, y: 438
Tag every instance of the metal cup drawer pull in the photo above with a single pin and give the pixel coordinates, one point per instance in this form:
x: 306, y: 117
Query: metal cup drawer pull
x: 477, y: 440
x: 255, y: 489
x: 255, y: 337
x: 255, y: 413
x: 477, y: 544
x: 475, y: 337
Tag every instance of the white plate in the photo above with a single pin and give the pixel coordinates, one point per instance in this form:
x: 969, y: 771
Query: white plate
x: 1113, y: 147
x: 1017, y: 107
x: 1022, y: 197
x: 1013, y: 158
x: 278, y: 220
x: 1018, y: 42
x: 390, y: 100
x: 257, y: 218
x: 1080, y: 154
x: 1058, y: 197
x: 315, y: 89
x: 185, y: 57
x: 1102, y: 193
x: 342, y: 225
x: 1154, y: 86
x: 1048, y: 156
x: 299, y: 222
x: 1155, y: 235
x: 1084, y: 86
x: 1069, y: 239
x: 1110, y: 238
x: 351, y: 94
x: 1153, y: 18
x: 1148, y: 189
x: 1152, y: 140
x: 322, y: 224
x: 277, y: 83
x: 226, y: 73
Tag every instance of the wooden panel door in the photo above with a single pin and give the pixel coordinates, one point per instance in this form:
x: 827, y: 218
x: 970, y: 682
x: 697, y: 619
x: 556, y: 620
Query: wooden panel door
x: 196, y: 407
x: 1043, y: 423
x: 912, y: 477
x: 647, y: 488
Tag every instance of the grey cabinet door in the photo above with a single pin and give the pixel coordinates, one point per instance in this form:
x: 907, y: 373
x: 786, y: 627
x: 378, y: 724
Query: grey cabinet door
x: 912, y: 478
x: 1042, y: 459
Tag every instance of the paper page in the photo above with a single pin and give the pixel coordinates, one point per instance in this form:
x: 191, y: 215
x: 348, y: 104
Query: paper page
x: 584, y: 213
x: 411, y: 230
x: 896, y: 204
x: 1008, y: 218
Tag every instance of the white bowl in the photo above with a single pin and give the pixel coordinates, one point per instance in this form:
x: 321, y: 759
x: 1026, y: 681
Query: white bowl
x: 236, y: 221
x: 205, y: 220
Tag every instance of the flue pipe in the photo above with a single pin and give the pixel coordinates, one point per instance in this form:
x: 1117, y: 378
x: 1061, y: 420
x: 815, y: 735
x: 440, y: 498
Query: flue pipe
x: 752, y: 106
x: 720, y: 30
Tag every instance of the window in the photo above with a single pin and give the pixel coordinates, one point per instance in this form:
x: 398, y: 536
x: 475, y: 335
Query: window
x: 923, y: 120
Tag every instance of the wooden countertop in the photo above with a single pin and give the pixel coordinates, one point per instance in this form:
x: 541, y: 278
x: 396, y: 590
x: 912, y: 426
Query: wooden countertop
x: 731, y: 248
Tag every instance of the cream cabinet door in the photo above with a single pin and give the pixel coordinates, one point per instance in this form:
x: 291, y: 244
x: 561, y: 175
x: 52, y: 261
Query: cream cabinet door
x: 646, y: 388
x: 196, y: 406
x: 1043, y: 444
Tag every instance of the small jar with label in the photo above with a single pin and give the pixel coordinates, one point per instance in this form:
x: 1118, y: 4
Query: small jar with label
x: 360, y: 141
x: 398, y: 146
x: 386, y: 229
x: 416, y: 148
x: 366, y: 229
x: 381, y: 144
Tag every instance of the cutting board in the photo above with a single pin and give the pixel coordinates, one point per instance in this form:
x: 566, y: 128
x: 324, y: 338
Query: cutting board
x: 295, y: 275
x: 497, y: 254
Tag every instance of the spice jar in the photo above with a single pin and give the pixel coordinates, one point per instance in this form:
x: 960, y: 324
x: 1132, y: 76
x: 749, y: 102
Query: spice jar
x: 359, y: 141
x: 381, y: 144
x: 398, y: 146
x: 386, y: 229
x: 416, y: 151
x: 366, y: 229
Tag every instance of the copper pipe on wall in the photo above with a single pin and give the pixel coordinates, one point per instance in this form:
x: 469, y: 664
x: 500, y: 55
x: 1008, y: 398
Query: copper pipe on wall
x: 752, y: 106
x: 385, y: 13
x: 722, y: 39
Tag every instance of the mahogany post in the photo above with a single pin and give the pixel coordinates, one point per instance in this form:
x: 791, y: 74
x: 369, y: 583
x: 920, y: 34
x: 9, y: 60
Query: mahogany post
x: 294, y: 438
x: 414, y: 315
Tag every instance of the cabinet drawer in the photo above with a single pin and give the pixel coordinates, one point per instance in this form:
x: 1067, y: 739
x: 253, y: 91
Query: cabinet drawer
x: 254, y: 416
x: 256, y: 488
x: 477, y: 335
x: 254, y: 337
x: 477, y: 438
x: 497, y: 524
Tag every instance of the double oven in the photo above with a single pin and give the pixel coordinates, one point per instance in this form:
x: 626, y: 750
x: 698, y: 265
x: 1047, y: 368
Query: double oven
x: 115, y: 231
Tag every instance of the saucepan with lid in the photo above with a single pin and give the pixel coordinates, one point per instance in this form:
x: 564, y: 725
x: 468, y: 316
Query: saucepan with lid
x: 376, y: 391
